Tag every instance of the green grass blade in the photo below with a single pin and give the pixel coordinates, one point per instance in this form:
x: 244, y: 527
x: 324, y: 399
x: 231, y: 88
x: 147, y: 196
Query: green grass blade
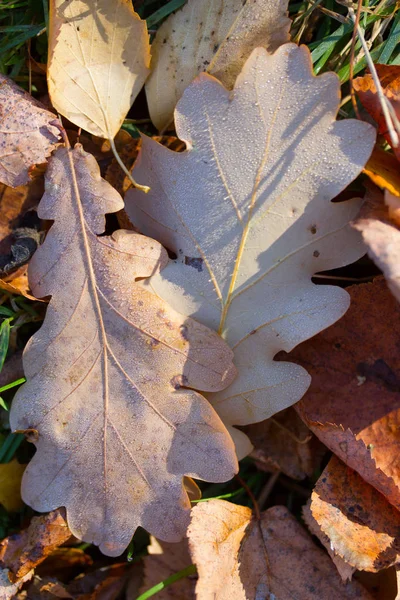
x: 13, y: 384
x: 13, y: 447
x: 391, y: 42
x: 6, y: 312
x: 164, y: 12
x: 5, y: 329
x: 191, y: 570
x: 20, y: 39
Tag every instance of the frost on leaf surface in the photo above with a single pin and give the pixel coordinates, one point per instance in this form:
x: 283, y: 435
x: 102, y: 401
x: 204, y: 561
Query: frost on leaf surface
x: 247, y: 211
x: 106, y: 374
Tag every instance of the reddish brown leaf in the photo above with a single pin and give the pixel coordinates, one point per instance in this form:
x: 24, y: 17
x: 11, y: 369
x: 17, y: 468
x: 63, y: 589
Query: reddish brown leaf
x: 363, y: 528
x: 389, y: 76
x: 284, y: 443
x: 25, y: 550
x: 377, y: 224
x: 353, y: 403
x: 28, y: 136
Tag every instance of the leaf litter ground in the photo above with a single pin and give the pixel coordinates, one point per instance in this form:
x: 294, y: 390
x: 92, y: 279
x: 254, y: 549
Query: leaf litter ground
x: 315, y: 31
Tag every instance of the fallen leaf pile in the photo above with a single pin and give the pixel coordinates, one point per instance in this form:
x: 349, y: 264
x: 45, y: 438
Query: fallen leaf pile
x: 183, y: 328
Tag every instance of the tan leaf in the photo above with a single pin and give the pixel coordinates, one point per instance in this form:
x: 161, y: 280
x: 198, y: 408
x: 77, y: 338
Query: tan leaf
x: 245, y: 559
x: 250, y: 230
x: 27, y: 136
x: 222, y: 36
x: 164, y: 560
x: 283, y: 443
x: 10, y: 485
x: 363, y: 528
x: 116, y: 433
x: 99, y: 57
x: 23, y: 551
x: 352, y: 404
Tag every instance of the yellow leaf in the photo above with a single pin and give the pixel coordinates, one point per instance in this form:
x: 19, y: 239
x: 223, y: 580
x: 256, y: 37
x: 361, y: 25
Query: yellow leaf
x: 10, y: 484
x: 99, y: 57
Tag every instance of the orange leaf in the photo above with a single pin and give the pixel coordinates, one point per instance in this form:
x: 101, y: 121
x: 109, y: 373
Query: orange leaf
x: 389, y: 76
x: 360, y: 524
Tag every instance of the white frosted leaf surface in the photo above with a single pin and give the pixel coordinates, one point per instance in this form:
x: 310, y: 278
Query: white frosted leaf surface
x: 247, y: 209
x: 116, y: 430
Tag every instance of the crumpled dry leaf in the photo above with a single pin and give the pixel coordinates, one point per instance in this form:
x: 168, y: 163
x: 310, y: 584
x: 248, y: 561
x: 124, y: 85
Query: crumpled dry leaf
x: 28, y: 137
x: 389, y: 76
x: 10, y: 485
x: 353, y: 401
x: 105, y: 583
x: 223, y: 33
x: 18, y: 285
x: 242, y: 558
x: 8, y: 589
x: 283, y: 443
x: 64, y: 563
x: 116, y: 433
x: 163, y: 561
x: 249, y: 235
x: 381, y: 235
x: 99, y: 56
x: 384, y: 170
x: 345, y: 570
x: 23, y: 551
x: 363, y: 528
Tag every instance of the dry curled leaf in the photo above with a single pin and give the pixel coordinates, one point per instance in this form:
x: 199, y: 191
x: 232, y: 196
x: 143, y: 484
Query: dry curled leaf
x: 345, y: 570
x: 99, y: 57
x: 116, y: 431
x: 250, y: 233
x: 363, y: 528
x: 245, y: 559
x: 384, y: 170
x: 381, y: 235
x: 353, y: 401
x: 389, y: 76
x: 283, y: 443
x: 8, y: 589
x: 27, y: 135
x: 164, y: 560
x: 10, y: 485
x: 23, y: 551
x: 222, y: 36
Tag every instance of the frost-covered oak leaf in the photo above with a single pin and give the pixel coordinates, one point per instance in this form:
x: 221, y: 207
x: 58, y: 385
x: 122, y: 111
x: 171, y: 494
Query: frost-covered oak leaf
x: 247, y: 211
x: 106, y: 372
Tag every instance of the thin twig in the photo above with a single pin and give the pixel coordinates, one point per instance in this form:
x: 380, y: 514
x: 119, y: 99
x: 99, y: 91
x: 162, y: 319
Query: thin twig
x: 143, y: 188
x: 267, y: 489
x: 385, y: 103
x: 352, y: 60
x: 251, y: 496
